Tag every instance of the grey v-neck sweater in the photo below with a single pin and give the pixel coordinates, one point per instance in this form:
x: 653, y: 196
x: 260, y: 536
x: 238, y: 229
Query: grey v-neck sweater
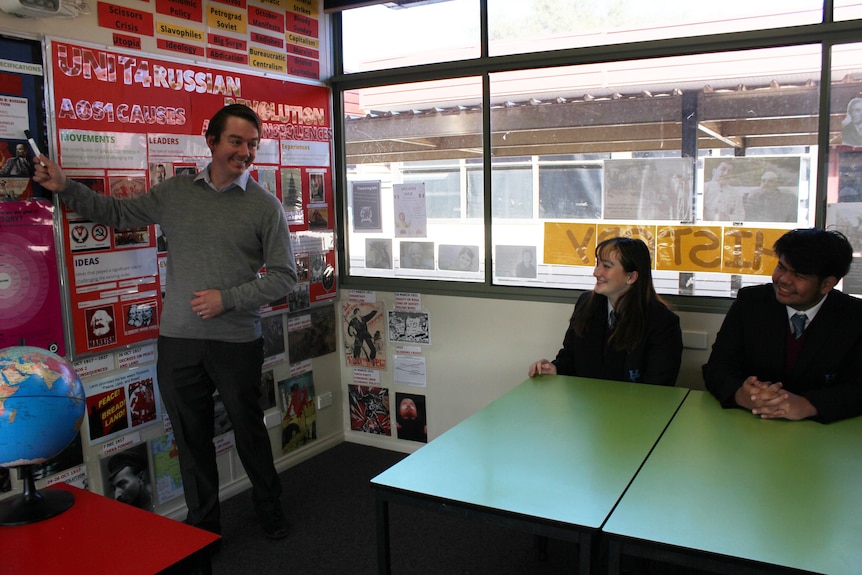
x: 216, y: 240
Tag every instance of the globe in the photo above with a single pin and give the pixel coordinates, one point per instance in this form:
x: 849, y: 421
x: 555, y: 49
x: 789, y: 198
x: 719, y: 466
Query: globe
x: 42, y: 406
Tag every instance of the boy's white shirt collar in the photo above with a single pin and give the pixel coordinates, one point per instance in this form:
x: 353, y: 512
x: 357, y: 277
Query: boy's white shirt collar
x: 810, y: 312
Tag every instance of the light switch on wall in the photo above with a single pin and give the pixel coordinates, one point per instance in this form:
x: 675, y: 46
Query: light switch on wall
x: 694, y: 339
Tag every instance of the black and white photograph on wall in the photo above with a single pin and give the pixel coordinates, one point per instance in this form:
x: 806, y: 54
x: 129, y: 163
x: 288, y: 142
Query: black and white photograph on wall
x: 850, y: 177
x: 776, y: 199
x: 302, y: 268
x: 722, y: 199
x: 366, y: 206
x: 416, y: 255
x: 317, y: 265
x: 126, y: 477
x: 378, y: 254
x: 852, y: 282
x: 515, y: 261
x: 686, y: 283
x: 411, y: 422
x: 570, y: 191
x: 851, y: 125
x: 159, y: 172
x: 648, y: 189
x: 409, y: 326
x: 311, y: 334
x: 458, y: 258
x: 847, y: 219
x: 299, y: 299
x: 272, y: 327
x: 735, y: 284
x: 753, y: 189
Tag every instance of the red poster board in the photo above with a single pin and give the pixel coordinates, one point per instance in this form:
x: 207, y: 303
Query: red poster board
x: 123, y: 119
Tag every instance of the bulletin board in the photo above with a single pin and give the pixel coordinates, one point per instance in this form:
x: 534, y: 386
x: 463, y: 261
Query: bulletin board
x: 125, y: 120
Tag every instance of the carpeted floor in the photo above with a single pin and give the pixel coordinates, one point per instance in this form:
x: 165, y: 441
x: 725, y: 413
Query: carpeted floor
x: 330, y: 506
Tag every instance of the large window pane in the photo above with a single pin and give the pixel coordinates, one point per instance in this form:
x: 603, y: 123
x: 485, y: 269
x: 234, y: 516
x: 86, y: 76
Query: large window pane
x: 708, y: 154
x: 415, y: 199
x: 844, y: 187
x: 517, y: 26
x: 570, y: 190
x: 847, y: 9
x: 513, y: 188
x: 442, y: 184
x: 390, y: 35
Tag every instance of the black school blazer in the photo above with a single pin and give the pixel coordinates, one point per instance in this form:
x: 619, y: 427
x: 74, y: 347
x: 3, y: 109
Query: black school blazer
x: 655, y: 360
x: 752, y: 341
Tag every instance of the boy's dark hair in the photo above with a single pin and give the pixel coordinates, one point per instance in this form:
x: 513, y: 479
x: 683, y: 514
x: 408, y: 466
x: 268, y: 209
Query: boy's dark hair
x: 218, y: 121
x: 816, y: 251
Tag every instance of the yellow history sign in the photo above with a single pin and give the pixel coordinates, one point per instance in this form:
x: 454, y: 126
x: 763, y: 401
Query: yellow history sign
x: 681, y: 248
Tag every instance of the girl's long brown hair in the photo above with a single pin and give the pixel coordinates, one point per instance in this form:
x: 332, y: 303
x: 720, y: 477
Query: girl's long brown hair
x: 631, y: 308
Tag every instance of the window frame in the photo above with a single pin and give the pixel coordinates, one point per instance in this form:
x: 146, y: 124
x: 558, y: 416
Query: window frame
x: 826, y: 34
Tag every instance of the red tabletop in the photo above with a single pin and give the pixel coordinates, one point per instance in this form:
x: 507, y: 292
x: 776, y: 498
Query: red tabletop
x: 98, y: 535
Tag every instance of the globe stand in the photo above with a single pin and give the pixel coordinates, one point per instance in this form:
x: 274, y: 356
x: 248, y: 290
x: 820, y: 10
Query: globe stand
x: 32, y: 505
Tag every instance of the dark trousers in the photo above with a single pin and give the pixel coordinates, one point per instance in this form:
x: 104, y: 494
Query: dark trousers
x: 189, y: 371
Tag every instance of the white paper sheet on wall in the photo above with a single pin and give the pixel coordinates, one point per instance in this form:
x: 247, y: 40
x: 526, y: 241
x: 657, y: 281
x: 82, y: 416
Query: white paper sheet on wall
x: 410, y: 370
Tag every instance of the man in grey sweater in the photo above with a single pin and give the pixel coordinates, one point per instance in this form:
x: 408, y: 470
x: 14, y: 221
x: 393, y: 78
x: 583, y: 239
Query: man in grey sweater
x: 223, y: 227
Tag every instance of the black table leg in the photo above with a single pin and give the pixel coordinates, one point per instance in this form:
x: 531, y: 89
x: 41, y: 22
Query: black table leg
x: 384, y: 566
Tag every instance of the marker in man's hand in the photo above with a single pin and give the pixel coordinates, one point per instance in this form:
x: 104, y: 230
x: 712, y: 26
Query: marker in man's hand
x: 34, y: 147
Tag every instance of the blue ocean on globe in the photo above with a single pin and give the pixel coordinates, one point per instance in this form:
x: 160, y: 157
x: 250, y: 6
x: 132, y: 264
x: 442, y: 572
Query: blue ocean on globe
x: 42, y: 405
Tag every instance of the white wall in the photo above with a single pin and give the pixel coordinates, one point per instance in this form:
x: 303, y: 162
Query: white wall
x: 481, y: 348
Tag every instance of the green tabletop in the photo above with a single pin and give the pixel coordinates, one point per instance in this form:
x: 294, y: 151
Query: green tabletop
x: 556, y: 448
x: 723, y: 481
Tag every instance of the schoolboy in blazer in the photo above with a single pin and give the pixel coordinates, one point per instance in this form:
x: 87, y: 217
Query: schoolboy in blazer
x: 758, y: 363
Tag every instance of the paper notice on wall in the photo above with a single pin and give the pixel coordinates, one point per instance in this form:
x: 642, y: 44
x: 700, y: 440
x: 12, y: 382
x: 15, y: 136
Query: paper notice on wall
x: 410, y: 370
